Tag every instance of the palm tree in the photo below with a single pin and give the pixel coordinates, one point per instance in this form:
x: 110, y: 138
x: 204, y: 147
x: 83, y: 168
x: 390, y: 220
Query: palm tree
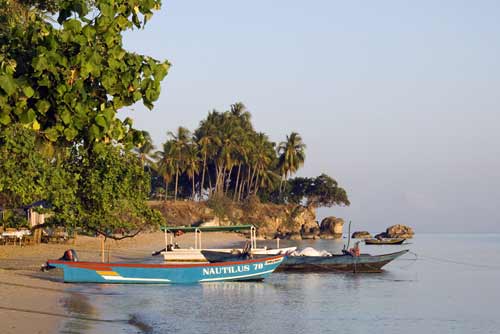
x: 180, y: 142
x: 291, y: 156
x: 191, y: 162
x: 205, y: 144
x: 145, y: 149
x: 166, y: 165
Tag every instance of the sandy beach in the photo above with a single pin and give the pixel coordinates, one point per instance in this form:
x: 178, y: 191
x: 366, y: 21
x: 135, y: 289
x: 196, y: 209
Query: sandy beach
x: 36, y: 302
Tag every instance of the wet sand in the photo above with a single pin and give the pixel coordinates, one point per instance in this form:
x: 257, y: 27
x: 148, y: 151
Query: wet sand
x: 36, y: 302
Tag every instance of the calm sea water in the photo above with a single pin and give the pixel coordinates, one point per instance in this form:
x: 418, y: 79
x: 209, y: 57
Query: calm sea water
x: 453, y: 286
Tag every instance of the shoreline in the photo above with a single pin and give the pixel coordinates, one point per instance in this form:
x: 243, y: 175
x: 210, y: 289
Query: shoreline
x: 32, y: 301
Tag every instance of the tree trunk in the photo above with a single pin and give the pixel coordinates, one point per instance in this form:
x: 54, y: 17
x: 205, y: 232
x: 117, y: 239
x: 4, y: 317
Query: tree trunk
x: 237, y: 181
x: 248, y: 180
x: 193, y: 188
x: 228, y: 182
x: 256, y: 184
x: 217, y: 177
x: 176, y: 182
x: 252, y: 181
x: 209, y: 184
x: 203, y: 174
x: 166, y: 189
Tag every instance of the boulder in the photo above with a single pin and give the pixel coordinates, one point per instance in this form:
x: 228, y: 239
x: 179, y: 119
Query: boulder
x: 361, y: 235
x: 331, y: 228
x: 300, y: 216
x: 399, y: 231
x: 310, y: 230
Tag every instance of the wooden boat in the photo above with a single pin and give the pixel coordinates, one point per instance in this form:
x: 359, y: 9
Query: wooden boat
x: 96, y: 272
x: 385, y: 241
x: 172, y: 254
x: 365, y: 263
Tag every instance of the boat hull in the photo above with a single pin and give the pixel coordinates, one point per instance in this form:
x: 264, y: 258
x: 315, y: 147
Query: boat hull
x: 364, y: 263
x: 94, y: 272
x: 338, y: 263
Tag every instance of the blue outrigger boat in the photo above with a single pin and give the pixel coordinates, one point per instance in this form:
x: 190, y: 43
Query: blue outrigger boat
x: 96, y: 272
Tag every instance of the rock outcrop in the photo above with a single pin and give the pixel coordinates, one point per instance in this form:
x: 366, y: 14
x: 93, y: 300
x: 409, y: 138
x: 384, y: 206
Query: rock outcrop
x: 272, y: 220
x: 361, y: 235
x: 397, y: 231
x: 310, y: 230
x: 331, y: 228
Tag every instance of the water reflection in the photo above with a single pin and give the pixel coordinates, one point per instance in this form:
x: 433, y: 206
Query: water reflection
x: 412, y: 296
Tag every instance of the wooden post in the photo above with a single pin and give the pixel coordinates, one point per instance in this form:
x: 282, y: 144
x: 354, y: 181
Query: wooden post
x: 102, y: 247
x: 109, y: 251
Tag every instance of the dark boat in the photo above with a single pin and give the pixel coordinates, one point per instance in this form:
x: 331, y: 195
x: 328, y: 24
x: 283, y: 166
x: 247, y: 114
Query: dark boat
x: 385, y: 241
x: 364, y: 263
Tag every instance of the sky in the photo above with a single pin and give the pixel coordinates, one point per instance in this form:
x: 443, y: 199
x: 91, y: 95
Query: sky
x: 397, y: 100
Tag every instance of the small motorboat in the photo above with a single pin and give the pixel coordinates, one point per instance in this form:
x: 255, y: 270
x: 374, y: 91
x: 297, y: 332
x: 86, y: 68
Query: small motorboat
x: 141, y: 273
x: 364, y: 263
x: 384, y: 241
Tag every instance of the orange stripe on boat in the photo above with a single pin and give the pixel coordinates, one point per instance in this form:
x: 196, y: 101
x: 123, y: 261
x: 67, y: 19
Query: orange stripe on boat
x: 108, y: 273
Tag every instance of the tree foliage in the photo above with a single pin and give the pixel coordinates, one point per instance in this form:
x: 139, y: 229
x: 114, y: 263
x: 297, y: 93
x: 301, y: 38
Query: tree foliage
x: 69, y: 79
x: 64, y: 75
x: 29, y: 173
x: 322, y: 191
x: 112, y: 191
x: 227, y: 158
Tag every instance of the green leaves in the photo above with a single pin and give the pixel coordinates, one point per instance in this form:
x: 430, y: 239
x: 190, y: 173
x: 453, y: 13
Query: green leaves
x: 27, y: 116
x: 73, y: 26
x: 52, y: 134
x: 28, y: 91
x: 59, y: 76
x: 8, y: 84
x: 60, y: 89
x: 42, y: 106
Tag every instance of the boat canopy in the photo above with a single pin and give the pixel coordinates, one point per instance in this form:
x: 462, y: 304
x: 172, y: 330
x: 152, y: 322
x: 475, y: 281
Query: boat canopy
x: 233, y: 228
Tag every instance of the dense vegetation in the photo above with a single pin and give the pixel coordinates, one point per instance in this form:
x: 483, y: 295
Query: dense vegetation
x: 61, y: 86
x: 64, y: 75
x: 226, y: 156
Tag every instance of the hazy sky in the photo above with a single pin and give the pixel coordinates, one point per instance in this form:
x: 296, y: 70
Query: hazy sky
x: 397, y: 100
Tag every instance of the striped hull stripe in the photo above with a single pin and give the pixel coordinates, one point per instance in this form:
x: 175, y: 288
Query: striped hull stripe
x: 136, y: 279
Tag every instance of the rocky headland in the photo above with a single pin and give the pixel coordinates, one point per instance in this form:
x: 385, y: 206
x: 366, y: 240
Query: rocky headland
x: 293, y: 222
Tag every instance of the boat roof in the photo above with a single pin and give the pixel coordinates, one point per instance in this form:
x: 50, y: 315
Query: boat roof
x: 231, y: 228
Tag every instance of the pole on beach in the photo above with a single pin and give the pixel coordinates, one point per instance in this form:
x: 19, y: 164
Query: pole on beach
x: 102, y: 247
x: 109, y: 251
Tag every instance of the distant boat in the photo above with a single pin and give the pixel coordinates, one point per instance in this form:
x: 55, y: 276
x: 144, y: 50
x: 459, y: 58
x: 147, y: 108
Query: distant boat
x: 172, y: 254
x: 385, y: 241
x: 364, y: 263
x: 145, y: 273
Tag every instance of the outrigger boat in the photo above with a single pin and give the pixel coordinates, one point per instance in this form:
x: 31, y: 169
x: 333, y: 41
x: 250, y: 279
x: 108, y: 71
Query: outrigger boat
x: 141, y: 273
x: 173, y: 254
x: 363, y: 263
x: 385, y: 241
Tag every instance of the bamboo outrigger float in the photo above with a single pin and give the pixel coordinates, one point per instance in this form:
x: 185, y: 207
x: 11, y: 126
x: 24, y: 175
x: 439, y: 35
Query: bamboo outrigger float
x: 172, y: 254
